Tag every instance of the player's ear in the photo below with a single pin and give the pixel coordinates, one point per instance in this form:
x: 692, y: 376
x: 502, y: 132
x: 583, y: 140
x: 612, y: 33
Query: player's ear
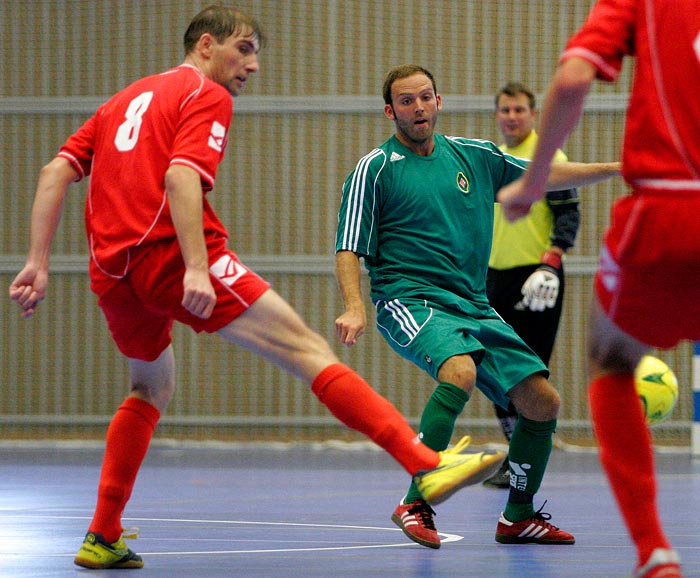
x: 438, y: 99
x: 389, y: 112
x: 205, y: 43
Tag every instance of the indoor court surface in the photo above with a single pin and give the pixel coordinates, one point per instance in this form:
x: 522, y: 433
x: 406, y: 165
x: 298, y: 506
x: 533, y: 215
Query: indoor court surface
x: 308, y: 511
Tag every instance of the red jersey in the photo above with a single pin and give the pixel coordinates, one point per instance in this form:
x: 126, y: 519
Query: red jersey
x: 661, y: 145
x: 177, y: 117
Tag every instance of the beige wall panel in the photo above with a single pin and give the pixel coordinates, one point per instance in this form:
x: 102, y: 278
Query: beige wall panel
x: 277, y: 191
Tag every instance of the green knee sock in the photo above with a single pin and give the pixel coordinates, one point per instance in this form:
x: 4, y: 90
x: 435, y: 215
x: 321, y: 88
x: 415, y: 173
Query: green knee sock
x: 438, y: 422
x: 530, y: 447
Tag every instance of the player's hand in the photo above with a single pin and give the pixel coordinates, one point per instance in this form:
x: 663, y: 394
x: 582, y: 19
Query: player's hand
x: 29, y: 288
x: 516, y: 200
x: 541, y: 289
x: 350, y: 325
x: 199, y: 296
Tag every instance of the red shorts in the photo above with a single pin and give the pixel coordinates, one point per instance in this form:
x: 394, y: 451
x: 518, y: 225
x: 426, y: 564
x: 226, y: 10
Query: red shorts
x: 141, y: 307
x: 648, y: 280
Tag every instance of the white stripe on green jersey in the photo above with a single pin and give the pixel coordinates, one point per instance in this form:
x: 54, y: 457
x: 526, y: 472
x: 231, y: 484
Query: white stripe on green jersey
x: 356, y: 191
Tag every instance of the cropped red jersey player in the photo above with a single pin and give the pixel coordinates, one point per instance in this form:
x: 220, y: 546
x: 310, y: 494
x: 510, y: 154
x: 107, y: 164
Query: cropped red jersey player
x: 647, y: 286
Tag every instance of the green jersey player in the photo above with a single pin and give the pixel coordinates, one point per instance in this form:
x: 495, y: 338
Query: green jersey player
x: 419, y: 210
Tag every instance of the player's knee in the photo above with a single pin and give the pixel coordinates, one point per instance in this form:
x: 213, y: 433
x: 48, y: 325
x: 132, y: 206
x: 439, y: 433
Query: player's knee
x: 466, y: 385
x: 536, y: 399
x: 543, y: 412
x: 157, y: 395
x: 551, y: 403
x: 460, y: 371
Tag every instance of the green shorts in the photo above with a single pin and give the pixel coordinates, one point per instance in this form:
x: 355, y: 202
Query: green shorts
x: 428, y: 334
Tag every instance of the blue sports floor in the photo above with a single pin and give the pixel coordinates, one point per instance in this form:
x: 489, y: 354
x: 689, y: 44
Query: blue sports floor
x: 308, y: 511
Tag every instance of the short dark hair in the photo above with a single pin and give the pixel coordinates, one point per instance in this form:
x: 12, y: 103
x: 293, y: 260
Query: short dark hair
x: 221, y: 22
x: 403, y: 71
x: 514, y: 89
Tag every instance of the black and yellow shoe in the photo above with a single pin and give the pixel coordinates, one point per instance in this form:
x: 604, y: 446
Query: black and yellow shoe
x: 99, y: 554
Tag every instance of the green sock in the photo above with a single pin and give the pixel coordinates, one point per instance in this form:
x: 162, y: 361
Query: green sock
x: 530, y: 447
x: 438, y: 422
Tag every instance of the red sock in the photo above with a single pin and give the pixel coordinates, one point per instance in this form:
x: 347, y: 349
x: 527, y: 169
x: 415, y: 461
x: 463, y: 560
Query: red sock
x: 351, y: 399
x: 627, y: 457
x: 128, y: 437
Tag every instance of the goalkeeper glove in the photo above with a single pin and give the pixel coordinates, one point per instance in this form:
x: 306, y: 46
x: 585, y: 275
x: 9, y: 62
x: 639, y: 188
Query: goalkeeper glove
x: 541, y: 289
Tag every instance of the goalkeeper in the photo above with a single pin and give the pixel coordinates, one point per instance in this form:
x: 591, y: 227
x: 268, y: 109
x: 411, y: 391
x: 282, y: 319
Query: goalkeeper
x: 525, y: 281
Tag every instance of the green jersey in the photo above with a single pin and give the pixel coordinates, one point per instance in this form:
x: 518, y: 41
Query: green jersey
x: 424, y: 225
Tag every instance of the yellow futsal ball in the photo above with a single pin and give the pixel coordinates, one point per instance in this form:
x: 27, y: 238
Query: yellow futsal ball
x: 657, y: 387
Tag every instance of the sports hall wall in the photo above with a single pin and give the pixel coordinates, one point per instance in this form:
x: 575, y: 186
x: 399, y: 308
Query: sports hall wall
x: 311, y: 112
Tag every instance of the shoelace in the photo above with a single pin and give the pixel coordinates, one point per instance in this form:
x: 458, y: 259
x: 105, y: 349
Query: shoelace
x: 461, y: 445
x: 130, y: 533
x: 544, y: 517
x: 425, y: 513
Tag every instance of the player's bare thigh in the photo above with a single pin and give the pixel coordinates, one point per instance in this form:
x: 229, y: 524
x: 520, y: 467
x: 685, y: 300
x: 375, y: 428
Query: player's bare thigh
x: 271, y: 328
x: 610, y: 350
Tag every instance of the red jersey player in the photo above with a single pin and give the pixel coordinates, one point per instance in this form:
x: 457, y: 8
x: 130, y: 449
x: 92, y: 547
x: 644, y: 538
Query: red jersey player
x: 159, y: 254
x: 647, y: 286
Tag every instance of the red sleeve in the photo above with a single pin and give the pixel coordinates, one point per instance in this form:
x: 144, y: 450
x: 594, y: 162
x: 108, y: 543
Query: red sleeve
x: 606, y: 37
x: 202, y: 134
x: 80, y: 147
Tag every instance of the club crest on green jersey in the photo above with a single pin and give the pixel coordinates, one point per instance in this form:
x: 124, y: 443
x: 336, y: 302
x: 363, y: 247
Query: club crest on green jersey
x: 462, y: 182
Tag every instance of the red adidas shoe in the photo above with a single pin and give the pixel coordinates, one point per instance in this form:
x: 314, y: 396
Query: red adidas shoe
x: 662, y: 563
x: 416, y: 521
x: 534, y: 530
